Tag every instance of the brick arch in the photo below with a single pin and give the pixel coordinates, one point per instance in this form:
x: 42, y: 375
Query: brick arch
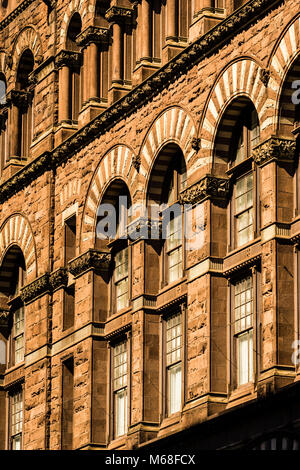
x: 85, y: 10
x: 16, y: 230
x: 173, y: 125
x: 240, y: 78
x: 284, y: 54
x: 28, y: 38
x: 116, y: 163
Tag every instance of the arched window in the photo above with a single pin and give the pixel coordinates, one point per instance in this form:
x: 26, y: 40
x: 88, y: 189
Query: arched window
x: 113, y: 219
x: 25, y: 115
x: 75, y: 79
x: 243, y: 211
x: 2, y: 90
x: 168, y: 178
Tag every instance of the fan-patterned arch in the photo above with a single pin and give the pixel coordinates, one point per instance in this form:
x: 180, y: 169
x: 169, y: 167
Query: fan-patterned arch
x: 242, y: 77
x: 16, y: 230
x: 85, y: 10
x: 117, y: 163
x: 27, y: 39
x: 284, y: 54
x: 174, y: 125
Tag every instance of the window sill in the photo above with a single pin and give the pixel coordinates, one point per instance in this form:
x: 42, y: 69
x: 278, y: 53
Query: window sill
x: 242, y: 393
x: 172, y: 285
x: 171, y: 420
x: 118, y: 442
x: 243, y: 247
x: 119, y: 313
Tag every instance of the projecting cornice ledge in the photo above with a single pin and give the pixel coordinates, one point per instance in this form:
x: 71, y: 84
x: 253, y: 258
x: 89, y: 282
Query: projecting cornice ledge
x: 281, y: 150
x: 209, y: 187
x: 91, y: 259
x: 35, y: 289
x: 58, y: 278
x: 93, y: 34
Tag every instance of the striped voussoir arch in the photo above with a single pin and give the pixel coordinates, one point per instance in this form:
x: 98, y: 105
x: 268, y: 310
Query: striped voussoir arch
x: 241, y: 77
x: 17, y: 231
x: 117, y: 163
x: 85, y: 9
x: 174, y: 125
x: 284, y: 54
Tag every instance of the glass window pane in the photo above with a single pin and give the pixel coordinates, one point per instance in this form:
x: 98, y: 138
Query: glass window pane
x: 174, y: 400
x: 121, y: 413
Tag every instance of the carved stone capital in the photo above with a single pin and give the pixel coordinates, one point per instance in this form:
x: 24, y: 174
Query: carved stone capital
x: 196, y: 144
x: 93, y: 34
x: 209, y: 187
x: 119, y: 15
x: 35, y: 289
x: 264, y: 76
x: 91, y: 259
x: 58, y: 278
x: 274, y: 149
x: 136, y: 162
x: 144, y: 228
x: 21, y: 99
x: 68, y: 58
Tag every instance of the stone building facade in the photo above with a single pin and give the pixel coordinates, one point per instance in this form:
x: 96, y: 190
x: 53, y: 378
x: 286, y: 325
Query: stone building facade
x: 139, y: 341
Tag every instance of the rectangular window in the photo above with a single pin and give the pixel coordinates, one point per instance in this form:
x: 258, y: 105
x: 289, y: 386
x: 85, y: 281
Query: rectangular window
x: 243, y: 329
x: 18, y: 335
x: 121, y: 279
x: 174, y: 249
x: 67, y: 404
x: 69, y: 307
x: 16, y: 420
x: 70, y: 239
x: 120, y: 388
x: 244, y: 209
x: 173, y: 363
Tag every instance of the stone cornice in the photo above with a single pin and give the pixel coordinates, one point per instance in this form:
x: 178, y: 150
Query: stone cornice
x: 91, y: 259
x: 93, y: 34
x: 69, y: 58
x: 192, y: 54
x: 245, y: 265
x: 16, y: 12
x: 119, y: 14
x: 36, y: 288
x: 25, y: 176
x: 21, y: 99
x: 274, y: 149
x: 209, y: 187
x: 58, y: 278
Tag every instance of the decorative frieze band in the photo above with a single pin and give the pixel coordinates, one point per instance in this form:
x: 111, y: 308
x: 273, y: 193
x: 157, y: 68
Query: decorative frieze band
x: 35, y: 289
x: 58, y: 278
x: 93, y: 34
x: 247, y: 264
x: 119, y: 15
x: 209, y: 187
x: 91, y: 259
x: 274, y: 149
x: 68, y: 58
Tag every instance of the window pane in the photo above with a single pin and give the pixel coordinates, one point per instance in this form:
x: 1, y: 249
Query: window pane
x: 16, y: 443
x: 174, y: 379
x: 173, y: 345
x: 19, y: 349
x: 16, y: 413
x: 243, y: 304
x: 175, y: 265
x: 245, y: 357
x: 121, y: 412
x: 120, y: 365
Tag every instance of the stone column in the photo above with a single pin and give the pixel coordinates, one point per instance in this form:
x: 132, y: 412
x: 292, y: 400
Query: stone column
x: 118, y: 17
x: 205, y: 16
x: 171, y: 19
x: 94, y: 41
x: 146, y: 33
x: 64, y: 62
